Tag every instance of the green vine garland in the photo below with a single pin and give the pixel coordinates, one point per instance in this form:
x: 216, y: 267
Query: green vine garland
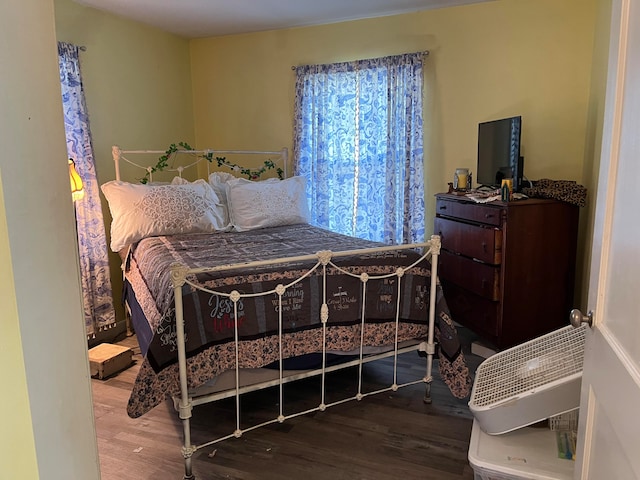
x: 163, y: 162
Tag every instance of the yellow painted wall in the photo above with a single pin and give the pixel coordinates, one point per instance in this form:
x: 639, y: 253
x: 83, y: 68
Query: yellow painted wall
x: 47, y: 428
x: 593, y: 145
x: 146, y: 88
x: 487, y: 61
x: 137, y: 82
x: 18, y: 448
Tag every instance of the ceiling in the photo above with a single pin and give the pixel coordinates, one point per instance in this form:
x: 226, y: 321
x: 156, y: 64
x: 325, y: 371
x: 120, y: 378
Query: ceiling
x: 206, y: 18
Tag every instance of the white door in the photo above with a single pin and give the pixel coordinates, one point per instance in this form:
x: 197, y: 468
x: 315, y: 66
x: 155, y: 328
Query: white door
x: 609, y: 430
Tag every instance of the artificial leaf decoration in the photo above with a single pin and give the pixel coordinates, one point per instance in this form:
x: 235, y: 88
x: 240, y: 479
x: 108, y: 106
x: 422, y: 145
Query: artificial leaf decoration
x: 251, y: 174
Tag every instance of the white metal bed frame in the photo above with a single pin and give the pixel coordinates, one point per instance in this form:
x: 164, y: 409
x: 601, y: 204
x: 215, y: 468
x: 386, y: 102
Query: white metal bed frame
x: 119, y: 155
x: 181, y: 275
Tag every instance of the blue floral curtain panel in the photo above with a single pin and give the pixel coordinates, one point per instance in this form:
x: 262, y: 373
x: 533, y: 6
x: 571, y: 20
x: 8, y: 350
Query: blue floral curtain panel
x: 358, y: 141
x: 94, y: 263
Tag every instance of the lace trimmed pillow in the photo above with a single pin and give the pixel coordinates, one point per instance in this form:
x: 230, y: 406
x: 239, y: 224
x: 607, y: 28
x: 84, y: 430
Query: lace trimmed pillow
x: 140, y: 211
x: 263, y: 204
x: 218, y: 181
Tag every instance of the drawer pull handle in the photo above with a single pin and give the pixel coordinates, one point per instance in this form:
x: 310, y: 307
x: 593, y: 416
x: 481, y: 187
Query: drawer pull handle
x: 443, y: 207
x: 488, y: 215
x: 484, y: 247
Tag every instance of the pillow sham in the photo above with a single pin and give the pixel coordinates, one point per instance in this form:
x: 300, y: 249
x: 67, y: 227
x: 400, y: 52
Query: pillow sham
x: 263, y: 204
x: 218, y: 181
x: 140, y: 211
x: 181, y: 181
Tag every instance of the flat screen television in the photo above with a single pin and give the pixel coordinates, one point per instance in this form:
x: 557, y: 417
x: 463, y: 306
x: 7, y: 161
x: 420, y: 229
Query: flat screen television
x: 499, y: 152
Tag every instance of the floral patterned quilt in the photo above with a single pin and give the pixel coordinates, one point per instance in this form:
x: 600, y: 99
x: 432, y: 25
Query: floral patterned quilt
x: 210, y: 319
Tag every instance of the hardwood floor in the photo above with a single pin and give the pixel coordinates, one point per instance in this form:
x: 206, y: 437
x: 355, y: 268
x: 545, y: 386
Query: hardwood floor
x: 385, y: 436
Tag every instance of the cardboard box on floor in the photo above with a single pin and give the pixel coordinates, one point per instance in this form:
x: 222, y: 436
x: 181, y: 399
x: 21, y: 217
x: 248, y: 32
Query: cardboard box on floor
x: 107, y: 359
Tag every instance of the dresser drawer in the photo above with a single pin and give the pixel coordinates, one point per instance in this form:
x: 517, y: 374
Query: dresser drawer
x: 468, y: 211
x: 479, y: 278
x: 482, y: 243
x: 473, y: 311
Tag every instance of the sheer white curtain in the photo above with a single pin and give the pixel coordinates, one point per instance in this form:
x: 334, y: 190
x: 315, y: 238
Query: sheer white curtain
x: 358, y: 140
x: 94, y: 262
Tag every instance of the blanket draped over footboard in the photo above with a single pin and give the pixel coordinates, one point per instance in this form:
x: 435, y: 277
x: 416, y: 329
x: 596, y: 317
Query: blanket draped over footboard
x: 210, y: 318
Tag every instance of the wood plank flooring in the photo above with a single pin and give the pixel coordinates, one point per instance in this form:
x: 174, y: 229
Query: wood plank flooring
x: 385, y: 436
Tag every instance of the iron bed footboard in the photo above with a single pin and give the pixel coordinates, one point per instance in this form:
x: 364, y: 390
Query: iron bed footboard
x: 180, y: 276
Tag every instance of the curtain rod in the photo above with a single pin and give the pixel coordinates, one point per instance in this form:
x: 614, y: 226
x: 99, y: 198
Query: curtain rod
x: 424, y: 52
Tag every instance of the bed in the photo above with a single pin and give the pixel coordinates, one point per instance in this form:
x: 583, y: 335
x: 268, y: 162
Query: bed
x: 263, y: 298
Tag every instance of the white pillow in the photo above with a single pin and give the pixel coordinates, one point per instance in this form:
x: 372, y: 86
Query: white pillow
x: 267, y: 204
x: 140, y: 211
x: 218, y: 181
x: 181, y: 181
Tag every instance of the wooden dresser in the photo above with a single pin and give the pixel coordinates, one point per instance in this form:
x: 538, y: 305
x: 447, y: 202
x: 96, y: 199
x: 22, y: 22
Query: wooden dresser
x: 507, y: 269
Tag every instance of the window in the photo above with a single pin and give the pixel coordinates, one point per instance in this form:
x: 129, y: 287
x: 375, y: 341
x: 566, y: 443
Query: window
x: 358, y: 141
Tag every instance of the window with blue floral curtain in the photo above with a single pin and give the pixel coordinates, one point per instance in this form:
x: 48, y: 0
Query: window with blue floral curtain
x: 358, y: 140
x: 94, y: 262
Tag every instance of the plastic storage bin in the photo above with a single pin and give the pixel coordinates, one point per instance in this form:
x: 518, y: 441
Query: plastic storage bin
x: 529, y: 453
x: 529, y: 382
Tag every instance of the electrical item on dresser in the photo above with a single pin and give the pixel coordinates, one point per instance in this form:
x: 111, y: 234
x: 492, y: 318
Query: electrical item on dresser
x: 507, y: 268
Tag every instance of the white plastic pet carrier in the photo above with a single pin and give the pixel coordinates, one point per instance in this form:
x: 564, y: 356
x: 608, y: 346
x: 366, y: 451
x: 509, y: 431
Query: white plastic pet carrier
x: 530, y: 382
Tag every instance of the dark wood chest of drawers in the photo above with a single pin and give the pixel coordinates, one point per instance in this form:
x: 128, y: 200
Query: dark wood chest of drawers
x: 507, y: 269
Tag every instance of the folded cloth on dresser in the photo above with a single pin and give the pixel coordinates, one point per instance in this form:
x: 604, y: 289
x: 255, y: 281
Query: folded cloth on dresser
x: 564, y: 190
x: 209, y: 324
